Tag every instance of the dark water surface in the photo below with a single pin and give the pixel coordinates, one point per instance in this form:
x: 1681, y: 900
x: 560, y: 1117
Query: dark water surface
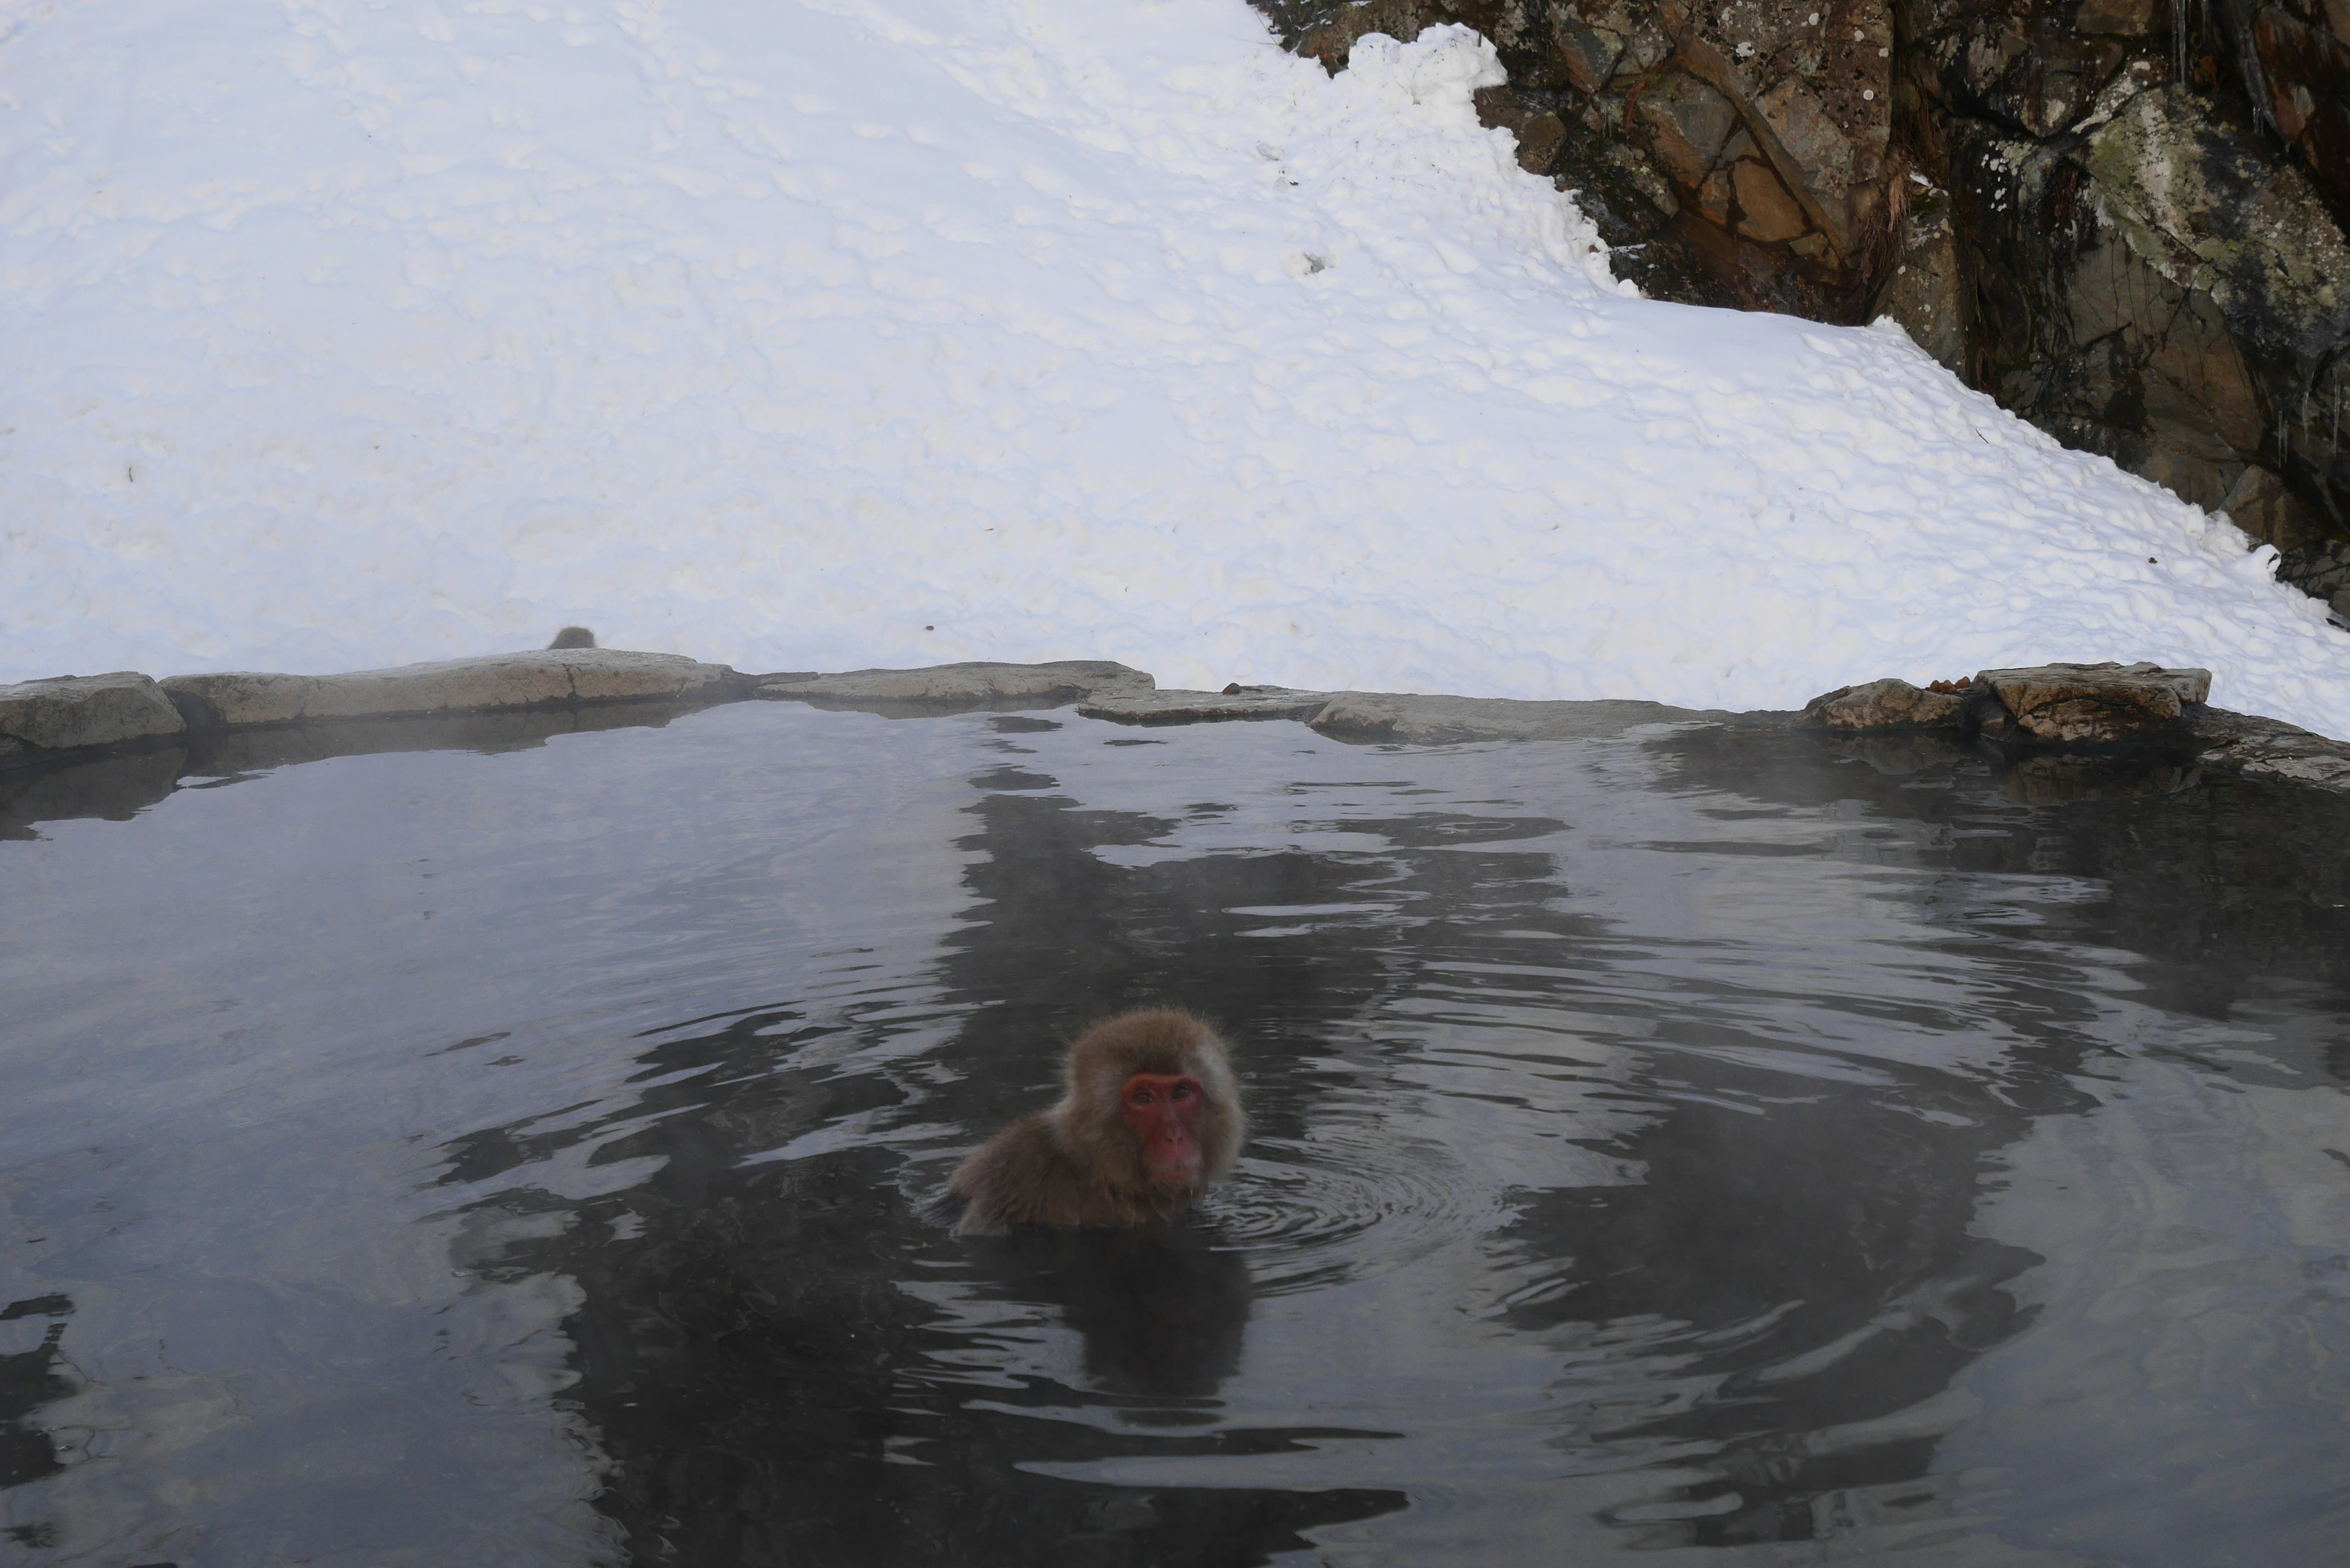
x: 1686, y: 1145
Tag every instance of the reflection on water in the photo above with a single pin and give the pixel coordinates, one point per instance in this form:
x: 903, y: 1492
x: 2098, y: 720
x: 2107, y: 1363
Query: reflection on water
x: 1692, y: 1143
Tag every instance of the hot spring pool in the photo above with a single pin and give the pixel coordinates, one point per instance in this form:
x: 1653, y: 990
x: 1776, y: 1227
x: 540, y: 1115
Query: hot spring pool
x: 1686, y: 1144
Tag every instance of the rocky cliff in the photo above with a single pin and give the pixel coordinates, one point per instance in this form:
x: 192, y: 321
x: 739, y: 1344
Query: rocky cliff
x: 2123, y: 219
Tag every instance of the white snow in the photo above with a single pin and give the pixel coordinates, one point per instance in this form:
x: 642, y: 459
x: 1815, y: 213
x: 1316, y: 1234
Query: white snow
x: 339, y: 332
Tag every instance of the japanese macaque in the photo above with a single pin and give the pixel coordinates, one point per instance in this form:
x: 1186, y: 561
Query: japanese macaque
x: 573, y: 636
x: 1150, y: 1116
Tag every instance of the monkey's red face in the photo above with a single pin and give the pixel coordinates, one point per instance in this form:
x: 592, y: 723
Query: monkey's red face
x: 1164, y: 1109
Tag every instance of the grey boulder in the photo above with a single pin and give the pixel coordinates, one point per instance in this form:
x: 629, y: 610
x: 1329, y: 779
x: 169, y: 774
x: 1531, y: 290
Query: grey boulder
x: 68, y: 711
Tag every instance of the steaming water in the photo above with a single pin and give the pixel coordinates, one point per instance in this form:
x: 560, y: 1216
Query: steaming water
x: 1686, y: 1143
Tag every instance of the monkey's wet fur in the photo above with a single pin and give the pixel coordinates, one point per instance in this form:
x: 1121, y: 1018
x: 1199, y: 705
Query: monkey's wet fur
x: 1150, y: 1119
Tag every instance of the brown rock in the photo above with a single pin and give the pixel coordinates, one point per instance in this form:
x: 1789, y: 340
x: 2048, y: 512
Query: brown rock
x: 2262, y: 505
x: 2090, y: 704
x: 1765, y: 211
x: 68, y: 711
x: 1812, y: 79
x: 1688, y: 122
x: 1539, y: 140
x: 1588, y: 54
x: 1882, y: 705
x: 1713, y: 197
x: 2116, y: 18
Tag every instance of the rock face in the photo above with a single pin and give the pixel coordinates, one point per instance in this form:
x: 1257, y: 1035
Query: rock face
x: 2085, y: 705
x: 1737, y: 154
x: 2163, y: 289
x: 2125, y: 220
x: 1883, y: 705
x: 546, y: 678
x: 71, y: 712
x: 965, y: 683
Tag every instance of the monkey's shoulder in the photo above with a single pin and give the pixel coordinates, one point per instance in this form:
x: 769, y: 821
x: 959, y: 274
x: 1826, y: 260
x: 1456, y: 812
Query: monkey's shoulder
x: 1028, y: 1175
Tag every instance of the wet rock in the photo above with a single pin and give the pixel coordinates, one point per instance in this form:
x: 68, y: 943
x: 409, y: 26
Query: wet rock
x: 2210, y: 212
x: 2301, y: 83
x: 1410, y: 719
x: 69, y: 712
x: 2253, y: 747
x: 977, y: 683
x: 1886, y: 704
x: 2015, y: 64
x: 2085, y: 705
x: 451, y: 686
x: 1180, y: 707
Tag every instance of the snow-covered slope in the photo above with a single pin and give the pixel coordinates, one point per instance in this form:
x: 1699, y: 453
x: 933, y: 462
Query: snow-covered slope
x: 851, y: 332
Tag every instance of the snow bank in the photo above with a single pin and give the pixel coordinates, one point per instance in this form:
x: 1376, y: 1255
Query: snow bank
x: 337, y: 334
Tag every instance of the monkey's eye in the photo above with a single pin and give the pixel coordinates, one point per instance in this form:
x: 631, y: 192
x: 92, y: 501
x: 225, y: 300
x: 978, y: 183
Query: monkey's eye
x: 1183, y: 1091
x: 1144, y: 1097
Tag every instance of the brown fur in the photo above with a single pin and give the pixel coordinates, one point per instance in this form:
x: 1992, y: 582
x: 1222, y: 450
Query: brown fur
x: 1079, y: 1163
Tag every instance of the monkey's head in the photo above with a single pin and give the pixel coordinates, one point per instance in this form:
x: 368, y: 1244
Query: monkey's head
x: 1151, y: 1096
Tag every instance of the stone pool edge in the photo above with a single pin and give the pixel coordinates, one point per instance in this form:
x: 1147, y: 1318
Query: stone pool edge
x: 78, y: 718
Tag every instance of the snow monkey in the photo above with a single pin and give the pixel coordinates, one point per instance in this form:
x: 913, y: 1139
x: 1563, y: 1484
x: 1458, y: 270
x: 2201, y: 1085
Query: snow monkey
x: 1150, y: 1115
x: 573, y: 636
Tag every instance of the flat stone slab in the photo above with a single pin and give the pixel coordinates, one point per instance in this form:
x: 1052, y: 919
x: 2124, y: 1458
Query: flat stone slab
x: 2252, y: 747
x: 67, y: 713
x: 1883, y: 705
x: 1180, y: 707
x: 547, y: 677
x: 2086, y: 704
x: 1437, y: 721
x: 971, y: 683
